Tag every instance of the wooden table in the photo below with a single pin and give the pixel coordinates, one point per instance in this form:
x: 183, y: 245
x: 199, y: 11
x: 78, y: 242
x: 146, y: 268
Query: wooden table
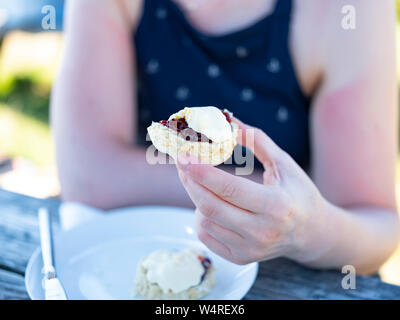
x: 277, y: 279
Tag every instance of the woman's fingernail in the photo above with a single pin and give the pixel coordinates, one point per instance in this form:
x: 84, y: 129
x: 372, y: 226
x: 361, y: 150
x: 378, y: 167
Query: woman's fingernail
x: 182, y: 162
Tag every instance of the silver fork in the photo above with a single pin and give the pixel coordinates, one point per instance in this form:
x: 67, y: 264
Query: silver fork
x: 51, y: 284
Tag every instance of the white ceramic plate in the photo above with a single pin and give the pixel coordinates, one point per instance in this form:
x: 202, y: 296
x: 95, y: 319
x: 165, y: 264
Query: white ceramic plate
x: 98, y: 259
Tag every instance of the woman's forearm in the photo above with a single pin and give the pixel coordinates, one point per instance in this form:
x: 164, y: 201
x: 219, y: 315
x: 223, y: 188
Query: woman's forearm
x: 118, y: 176
x: 361, y: 237
x: 115, y: 175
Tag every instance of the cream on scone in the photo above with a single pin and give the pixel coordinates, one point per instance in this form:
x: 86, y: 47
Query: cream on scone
x: 165, y: 274
x: 206, y: 133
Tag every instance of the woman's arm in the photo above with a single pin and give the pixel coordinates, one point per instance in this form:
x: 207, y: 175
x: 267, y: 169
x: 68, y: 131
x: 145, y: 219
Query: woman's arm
x: 94, y: 112
x: 363, y: 237
x: 354, y: 135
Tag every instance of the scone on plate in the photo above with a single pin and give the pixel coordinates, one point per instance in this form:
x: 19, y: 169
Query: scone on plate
x: 174, y: 275
x: 206, y: 133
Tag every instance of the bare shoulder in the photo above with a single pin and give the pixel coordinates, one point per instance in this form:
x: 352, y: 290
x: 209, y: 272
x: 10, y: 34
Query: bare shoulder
x: 124, y: 12
x: 377, y: 8
x: 360, y: 36
x: 345, y: 35
x: 360, y: 21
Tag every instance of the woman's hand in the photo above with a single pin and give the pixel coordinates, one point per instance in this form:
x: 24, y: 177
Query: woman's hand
x: 244, y: 221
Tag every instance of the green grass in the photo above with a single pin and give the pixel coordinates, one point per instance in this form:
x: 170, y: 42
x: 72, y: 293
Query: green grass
x: 25, y: 137
x: 398, y: 10
x: 26, y: 94
x: 25, y: 86
x: 24, y: 117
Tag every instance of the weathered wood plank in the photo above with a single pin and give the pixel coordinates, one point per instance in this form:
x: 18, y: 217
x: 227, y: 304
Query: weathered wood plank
x: 12, y: 286
x: 283, y: 279
x: 19, y: 231
x: 277, y: 279
x: 25, y: 204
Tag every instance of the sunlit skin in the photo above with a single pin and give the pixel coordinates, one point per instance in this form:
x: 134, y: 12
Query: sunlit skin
x: 341, y: 212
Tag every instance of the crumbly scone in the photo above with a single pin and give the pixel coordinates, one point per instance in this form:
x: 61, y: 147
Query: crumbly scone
x: 211, y: 150
x: 152, y: 290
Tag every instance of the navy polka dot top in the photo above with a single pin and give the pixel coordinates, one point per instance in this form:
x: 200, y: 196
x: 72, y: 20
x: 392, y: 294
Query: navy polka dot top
x: 249, y: 72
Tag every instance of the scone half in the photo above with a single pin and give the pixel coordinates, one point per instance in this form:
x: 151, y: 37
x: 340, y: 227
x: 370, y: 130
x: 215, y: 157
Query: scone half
x: 152, y: 291
x: 172, y: 142
x: 179, y: 275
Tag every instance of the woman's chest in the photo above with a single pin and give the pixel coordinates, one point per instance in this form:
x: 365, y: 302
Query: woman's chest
x: 220, y: 17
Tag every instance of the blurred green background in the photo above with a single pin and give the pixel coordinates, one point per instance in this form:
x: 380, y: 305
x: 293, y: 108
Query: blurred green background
x: 28, y: 64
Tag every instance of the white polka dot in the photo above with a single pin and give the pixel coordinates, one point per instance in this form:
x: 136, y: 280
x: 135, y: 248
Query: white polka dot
x: 161, y: 13
x: 242, y: 52
x: 282, y: 115
x: 247, y: 95
x: 274, y: 66
x: 182, y: 93
x: 213, y: 71
x: 153, y: 66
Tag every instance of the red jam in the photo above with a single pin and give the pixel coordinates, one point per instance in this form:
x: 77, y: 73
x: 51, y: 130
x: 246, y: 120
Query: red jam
x: 227, y: 116
x: 206, y: 263
x: 181, y: 126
